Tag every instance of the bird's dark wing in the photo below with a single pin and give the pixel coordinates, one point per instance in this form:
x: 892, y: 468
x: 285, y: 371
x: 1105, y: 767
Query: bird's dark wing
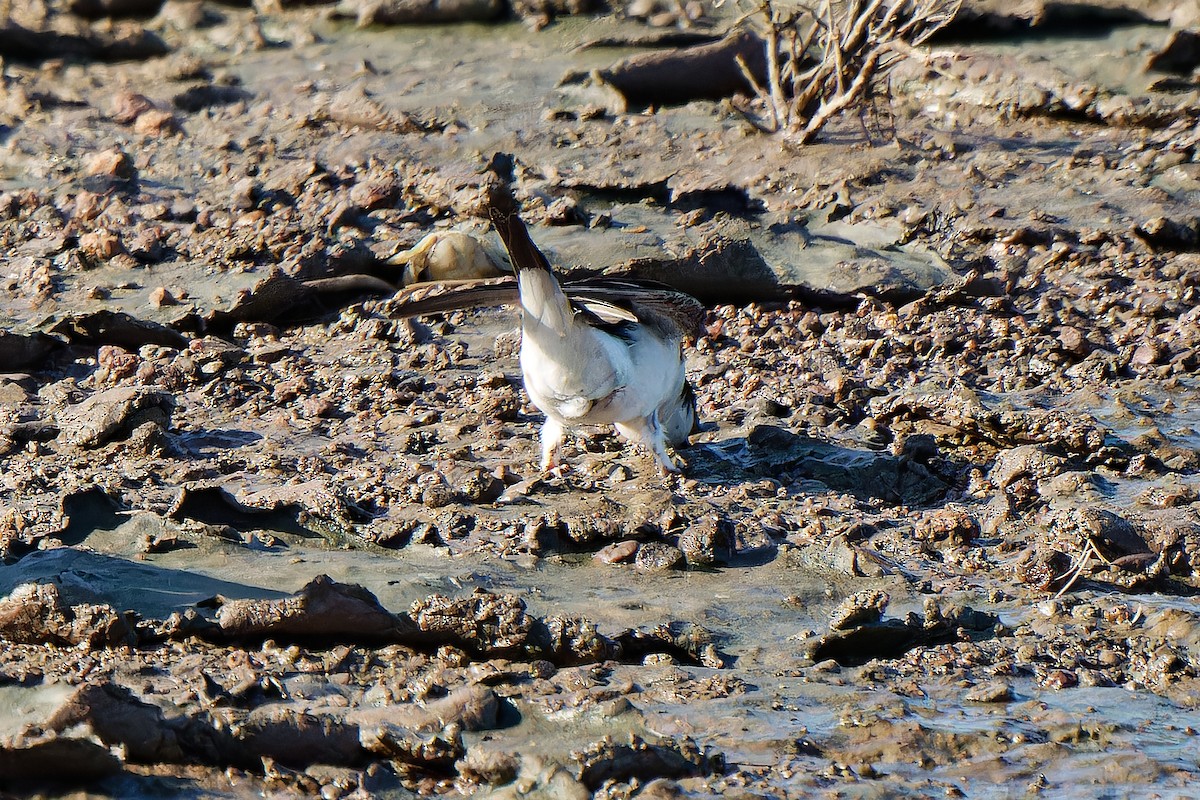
x: 608, y: 300
x: 672, y: 312
x: 446, y: 296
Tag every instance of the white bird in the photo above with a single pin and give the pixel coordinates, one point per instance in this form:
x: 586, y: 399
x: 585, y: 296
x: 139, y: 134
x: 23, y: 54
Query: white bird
x: 601, y: 351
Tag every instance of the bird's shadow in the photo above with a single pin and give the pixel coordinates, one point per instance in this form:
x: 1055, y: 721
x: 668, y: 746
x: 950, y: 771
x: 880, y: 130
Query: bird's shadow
x: 770, y: 451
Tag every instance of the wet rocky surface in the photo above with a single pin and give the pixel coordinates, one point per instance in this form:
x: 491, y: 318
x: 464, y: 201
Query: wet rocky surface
x: 939, y: 536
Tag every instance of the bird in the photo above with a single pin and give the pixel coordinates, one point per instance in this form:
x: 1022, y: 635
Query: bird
x: 596, y: 351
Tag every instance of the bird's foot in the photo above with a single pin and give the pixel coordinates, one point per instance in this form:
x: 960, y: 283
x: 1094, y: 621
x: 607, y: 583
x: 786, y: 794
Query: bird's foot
x: 555, y: 470
x: 670, y: 463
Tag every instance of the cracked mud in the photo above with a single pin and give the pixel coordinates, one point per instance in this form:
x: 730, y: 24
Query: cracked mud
x: 940, y: 534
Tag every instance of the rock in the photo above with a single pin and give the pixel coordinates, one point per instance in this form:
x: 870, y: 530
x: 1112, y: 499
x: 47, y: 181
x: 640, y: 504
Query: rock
x: 484, y: 622
x: 111, y: 414
x: 428, y: 734
x: 1073, y: 341
x: 617, y: 552
x: 657, y: 557
x: 272, y: 298
x: 732, y: 259
x: 117, y: 328
x: 323, y: 608
x: 1043, y: 568
x: 420, y: 12
x: 440, y: 749
x: 101, y: 244
x: 1027, y: 461
x: 635, y: 758
x: 1113, y: 536
x: 680, y: 75
x: 295, y: 736
x: 483, y: 765
x: 128, y: 106
x: 119, y: 718
x: 156, y: 122
x: 34, y: 613
x: 951, y: 526
x: 861, y: 608
x: 19, y: 351
x: 893, y: 638
x: 161, y: 296
x: 1164, y: 233
x: 708, y: 541
x: 772, y: 451
x: 991, y: 692
x: 573, y: 640
x: 1147, y: 354
x: 111, y: 163
x: 689, y: 644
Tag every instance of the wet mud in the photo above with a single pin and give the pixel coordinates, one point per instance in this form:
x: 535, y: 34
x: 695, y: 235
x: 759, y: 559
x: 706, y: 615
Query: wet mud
x: 261, y: 534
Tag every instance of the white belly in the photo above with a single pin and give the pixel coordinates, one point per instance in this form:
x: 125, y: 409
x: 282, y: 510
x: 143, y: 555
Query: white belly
x: 592, y: 378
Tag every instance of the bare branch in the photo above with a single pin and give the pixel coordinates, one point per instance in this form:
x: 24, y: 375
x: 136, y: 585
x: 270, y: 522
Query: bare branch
x: 823, y: 59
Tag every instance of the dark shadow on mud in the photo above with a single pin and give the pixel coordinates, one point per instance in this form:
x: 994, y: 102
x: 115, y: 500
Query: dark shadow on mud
x: 87, y: 511
x: 203, y: 443
x: 774, y: 452
x: 1056, y: 21
x: 86, y: 576
x: 888, y: 639
x: 214, y: 506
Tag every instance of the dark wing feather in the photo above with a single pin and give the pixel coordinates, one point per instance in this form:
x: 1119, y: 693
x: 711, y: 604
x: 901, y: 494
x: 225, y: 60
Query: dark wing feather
x: 446, y: 296
x: 670, y: 311
x: 667, y: 309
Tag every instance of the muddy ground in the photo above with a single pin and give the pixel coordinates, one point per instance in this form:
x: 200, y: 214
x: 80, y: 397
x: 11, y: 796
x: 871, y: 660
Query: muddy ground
x: 261, y: 536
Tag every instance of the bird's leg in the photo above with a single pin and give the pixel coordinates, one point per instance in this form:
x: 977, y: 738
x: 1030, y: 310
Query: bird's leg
x: 552, y: 436
x: 648, y: 432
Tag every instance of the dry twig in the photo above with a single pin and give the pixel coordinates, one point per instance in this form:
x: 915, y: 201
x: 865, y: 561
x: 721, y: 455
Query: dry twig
x: 822, y: 60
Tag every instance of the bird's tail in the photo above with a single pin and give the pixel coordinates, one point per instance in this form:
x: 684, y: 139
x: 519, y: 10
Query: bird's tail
x: 502, y: 209
x: 541, y: 296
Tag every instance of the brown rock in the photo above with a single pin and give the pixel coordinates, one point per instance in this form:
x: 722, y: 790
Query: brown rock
x: 101, y: 243
x: 161, y: 296
x: 1147, y: 354
x: 111, y: 414
x: 1072, y: 340
x: 34, y: 613
x: 1112, y: 535
x: 128, y: 106
x: 117, y: 717
x: 950, y: 525
x: 1043, y: 569
x: 323, y: 607
x: 58, y: 758
x: 658, y: 557
x: 112, y: 163
x: 156, y: 122
x: 617, y: 552
x: 483, y: 622
x: 860, y: 608
x: 708, y: 541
